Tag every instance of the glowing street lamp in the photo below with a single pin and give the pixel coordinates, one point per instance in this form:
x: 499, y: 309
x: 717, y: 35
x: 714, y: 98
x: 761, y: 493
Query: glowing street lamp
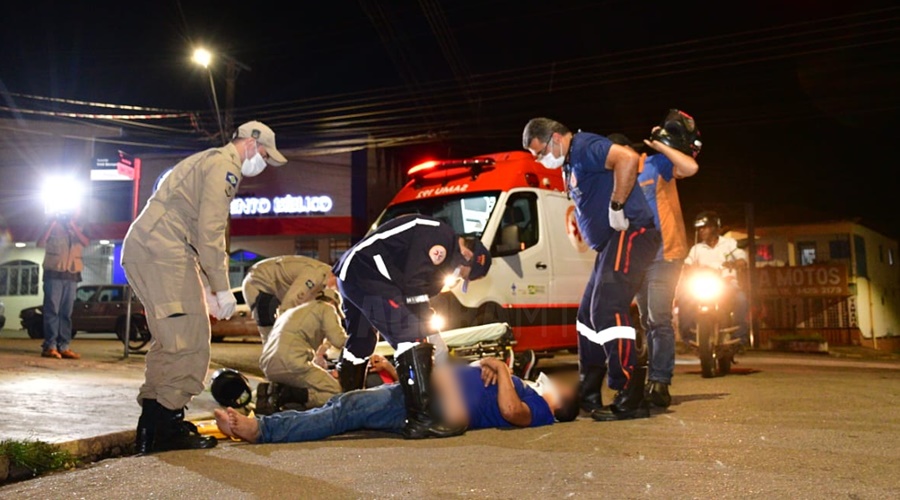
x: 204, y: 57
x: 233, y: 67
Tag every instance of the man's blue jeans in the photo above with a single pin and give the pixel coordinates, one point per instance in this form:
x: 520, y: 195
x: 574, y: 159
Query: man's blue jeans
x: 654, y: 300
x: 380, y: 408
x: 59, y: 300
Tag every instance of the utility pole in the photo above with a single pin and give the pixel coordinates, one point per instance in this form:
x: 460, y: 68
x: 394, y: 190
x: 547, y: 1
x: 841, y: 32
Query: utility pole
x: 232, y: 68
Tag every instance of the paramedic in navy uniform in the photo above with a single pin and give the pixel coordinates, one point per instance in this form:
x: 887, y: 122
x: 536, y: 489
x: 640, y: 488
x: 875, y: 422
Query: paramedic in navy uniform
x: 617, y: 222
x: 387, y: 280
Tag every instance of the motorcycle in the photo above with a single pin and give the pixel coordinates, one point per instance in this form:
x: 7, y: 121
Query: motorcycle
x: 710, y: 337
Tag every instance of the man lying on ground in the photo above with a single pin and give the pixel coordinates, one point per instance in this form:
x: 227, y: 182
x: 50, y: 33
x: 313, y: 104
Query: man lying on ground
x: 481, y: 395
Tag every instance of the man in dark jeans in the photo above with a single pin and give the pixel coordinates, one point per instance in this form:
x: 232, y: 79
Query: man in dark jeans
x: 64, y: 240
x: 482, y: 395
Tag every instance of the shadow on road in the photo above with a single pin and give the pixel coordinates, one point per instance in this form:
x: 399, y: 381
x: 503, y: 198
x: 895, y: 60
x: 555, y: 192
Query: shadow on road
x: 677, y: 400
x: 734, y: 371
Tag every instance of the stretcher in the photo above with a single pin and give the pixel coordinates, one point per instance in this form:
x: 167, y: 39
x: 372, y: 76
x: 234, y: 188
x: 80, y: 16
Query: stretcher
x: 470, y: 344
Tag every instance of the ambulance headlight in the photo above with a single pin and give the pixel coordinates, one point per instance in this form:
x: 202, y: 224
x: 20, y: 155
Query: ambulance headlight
x: 437, y: 322
x: 451, y: 280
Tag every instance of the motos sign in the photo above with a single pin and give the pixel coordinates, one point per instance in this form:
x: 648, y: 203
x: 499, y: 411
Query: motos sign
x: 828, y: 280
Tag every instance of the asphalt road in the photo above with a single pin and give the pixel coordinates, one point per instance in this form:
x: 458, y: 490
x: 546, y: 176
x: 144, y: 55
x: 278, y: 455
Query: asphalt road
x: 783, y: 426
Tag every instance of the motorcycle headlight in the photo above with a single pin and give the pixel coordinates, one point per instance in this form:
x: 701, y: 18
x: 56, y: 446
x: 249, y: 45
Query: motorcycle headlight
x: 705, y: 286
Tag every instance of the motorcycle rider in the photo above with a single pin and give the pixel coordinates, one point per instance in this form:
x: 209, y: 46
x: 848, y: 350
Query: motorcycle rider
x: 721, y: 253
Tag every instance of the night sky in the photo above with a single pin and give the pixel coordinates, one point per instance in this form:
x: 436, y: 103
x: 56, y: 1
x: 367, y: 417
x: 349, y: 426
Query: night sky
x: 798, y: 105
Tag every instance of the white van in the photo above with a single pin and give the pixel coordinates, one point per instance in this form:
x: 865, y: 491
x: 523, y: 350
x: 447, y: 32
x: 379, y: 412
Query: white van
x: 521, y: 212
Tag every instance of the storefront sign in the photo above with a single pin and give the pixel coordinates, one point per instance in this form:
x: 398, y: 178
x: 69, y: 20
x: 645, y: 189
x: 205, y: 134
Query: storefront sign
x: 827, y: 280
x: 281, y: 205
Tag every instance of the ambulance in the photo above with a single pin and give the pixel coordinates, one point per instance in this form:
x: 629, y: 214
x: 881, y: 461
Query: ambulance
x: 521, y: 212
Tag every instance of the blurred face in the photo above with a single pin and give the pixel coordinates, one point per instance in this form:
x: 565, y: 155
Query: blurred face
x: 708, y: 233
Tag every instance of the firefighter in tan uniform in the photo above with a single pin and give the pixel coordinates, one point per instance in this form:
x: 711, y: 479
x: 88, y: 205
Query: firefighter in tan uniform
x: 173, y: 250
x: 289, y: 354
x: 280, y: 283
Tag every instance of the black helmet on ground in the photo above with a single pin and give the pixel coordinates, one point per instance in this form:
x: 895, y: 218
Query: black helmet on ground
x: 230, y: 387
x: 679, y: 131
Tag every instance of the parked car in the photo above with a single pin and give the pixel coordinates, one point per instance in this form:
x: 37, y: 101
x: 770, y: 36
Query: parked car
x: 241, y: 324
x: 2, y: 315
x: 101, y: 309
x: 97, y: 309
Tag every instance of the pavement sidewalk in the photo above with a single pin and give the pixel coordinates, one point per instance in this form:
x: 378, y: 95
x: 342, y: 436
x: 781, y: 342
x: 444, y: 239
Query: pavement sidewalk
x: 87, y: 406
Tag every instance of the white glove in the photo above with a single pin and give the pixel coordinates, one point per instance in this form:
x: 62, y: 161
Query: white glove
x: 617, y: 219
x: 212, y: 305
x: 227, y: 303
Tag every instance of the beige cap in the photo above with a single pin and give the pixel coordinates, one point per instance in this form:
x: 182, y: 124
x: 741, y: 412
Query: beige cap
x: 264, y: 135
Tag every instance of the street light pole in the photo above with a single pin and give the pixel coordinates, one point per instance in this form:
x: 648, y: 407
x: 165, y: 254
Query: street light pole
x: 212, y: 86
x: 232, y: 68
x: 203, y: 57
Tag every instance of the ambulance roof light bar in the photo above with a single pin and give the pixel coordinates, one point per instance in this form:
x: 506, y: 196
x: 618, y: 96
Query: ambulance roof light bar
x: 475, y: 166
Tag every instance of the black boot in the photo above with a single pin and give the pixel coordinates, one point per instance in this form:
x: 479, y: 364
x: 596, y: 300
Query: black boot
x: 629, y: 402
x: 351, y: 376
x: 174, y: 433
x: 264, y: 403
x: 146, y: 428
x: 590, y: 385
x: 658, y: 394
x: 414, y: 370
x: 285, y: 397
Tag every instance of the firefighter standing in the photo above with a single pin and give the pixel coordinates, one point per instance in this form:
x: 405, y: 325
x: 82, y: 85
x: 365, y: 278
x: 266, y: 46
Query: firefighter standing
x: 280, y: 283
x: 174, y: 247
x: 386, y: 281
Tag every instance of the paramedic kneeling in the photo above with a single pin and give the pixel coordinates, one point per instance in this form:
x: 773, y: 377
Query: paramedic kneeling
x: 387, y: 280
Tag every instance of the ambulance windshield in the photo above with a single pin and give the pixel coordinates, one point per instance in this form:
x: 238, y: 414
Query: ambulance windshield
x: 467, y: 213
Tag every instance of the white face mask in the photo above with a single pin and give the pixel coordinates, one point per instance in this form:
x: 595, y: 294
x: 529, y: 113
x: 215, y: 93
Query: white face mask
x: 254, y: 165
x: 550, y: 161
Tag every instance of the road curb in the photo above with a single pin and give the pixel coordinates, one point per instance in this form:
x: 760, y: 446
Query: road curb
x: 97, y: 448
x: 85, y: 451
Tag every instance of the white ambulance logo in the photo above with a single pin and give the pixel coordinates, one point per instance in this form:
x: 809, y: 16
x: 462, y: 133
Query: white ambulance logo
x: 437, y: 253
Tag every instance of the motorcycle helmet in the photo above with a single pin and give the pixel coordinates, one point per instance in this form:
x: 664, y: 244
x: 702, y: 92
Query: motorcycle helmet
x: 230, y: 387
x: 707, y: 218
x: 679, y: 131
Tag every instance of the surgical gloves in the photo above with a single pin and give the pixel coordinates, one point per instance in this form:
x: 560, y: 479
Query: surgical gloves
x: 617, y: 219
x: 226, y: 304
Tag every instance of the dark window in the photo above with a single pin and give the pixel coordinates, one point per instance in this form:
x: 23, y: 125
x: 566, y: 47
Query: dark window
x: 839, y: 249
x: 519, y: 226
x: 19, y: 277
x: 859, y: 244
